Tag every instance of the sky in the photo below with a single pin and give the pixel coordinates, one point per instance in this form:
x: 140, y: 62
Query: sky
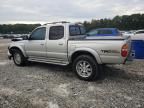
x: 42, y: 11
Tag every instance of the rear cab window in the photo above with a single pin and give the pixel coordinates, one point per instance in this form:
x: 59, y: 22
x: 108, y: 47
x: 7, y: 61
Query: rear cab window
x: 75, y: 30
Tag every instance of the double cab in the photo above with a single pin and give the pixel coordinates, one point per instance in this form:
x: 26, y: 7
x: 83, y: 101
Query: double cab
x: 65, y: 43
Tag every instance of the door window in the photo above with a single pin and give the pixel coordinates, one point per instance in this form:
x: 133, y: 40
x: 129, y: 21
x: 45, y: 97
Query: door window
x: 38, y: 34
x: 56, y: 33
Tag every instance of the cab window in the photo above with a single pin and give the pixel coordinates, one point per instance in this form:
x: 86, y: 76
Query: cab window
x: 56, y: 33
x: 76, y: 30
x: 38, y: 34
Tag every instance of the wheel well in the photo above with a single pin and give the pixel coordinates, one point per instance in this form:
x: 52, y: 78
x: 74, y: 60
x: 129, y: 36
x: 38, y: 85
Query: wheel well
x: 14, y: 48
x: 76, y: 54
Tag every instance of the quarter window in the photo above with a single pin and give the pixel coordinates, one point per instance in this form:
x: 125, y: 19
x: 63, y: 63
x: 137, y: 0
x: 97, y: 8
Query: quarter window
x: 38, y: 34
x: 56, y: 33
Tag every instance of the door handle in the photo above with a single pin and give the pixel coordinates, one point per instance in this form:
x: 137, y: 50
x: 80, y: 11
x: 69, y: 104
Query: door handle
x: 60, y: 43
x: 41, y: 44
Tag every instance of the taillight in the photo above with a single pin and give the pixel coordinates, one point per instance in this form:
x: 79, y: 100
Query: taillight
x: 124, y: 50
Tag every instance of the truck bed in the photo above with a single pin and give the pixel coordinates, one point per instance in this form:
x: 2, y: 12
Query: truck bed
x: 99, y: 38
x: 107, y: 48
x: 106, y: 38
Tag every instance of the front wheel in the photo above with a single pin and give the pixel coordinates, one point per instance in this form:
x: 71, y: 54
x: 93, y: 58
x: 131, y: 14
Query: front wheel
x: 18, y: 58
x: 86, y: 67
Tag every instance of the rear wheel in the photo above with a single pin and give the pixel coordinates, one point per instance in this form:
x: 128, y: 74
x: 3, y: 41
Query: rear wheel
x: 18, y: 58
x: 86, y: 67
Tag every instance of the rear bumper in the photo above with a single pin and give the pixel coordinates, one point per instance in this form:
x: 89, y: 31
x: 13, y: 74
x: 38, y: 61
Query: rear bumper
x: 129, y: 59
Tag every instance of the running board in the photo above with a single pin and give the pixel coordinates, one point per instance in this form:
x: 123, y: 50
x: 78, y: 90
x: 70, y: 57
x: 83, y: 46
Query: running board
x: 49, y: 62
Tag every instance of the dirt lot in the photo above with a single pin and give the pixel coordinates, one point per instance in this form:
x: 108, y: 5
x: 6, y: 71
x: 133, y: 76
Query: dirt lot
x: 49, y: 86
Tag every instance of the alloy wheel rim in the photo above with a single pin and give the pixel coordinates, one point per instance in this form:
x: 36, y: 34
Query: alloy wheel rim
x: 17, y: 58
x: 84, y: 68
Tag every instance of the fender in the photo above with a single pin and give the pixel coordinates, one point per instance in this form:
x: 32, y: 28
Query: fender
x: 20, y: 47
x: 91, y: 51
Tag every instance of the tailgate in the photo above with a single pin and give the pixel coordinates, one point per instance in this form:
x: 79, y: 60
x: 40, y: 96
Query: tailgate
x: 130, y: 53
x: 128, y: 41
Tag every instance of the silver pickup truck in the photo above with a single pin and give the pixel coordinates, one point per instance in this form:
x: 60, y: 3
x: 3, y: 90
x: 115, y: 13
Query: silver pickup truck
x: 65, y: 43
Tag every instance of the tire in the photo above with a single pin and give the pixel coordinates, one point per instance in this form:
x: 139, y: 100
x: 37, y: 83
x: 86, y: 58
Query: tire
x: 86, y: 68
x: 18, y: 58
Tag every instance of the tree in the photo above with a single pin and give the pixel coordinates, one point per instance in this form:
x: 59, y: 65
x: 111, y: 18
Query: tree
x: 125, y: 22
x: 17, y: 28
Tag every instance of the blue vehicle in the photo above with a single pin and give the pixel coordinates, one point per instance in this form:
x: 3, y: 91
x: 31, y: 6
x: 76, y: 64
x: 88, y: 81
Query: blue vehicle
x: 104, y: 32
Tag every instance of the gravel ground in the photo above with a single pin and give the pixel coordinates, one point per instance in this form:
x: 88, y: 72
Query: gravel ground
x: 49, y: 86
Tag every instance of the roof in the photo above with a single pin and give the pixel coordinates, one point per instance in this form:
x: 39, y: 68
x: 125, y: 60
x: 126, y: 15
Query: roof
x: 61, y: 22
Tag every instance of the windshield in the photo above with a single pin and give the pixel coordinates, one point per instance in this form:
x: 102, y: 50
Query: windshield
x: 92, y: 33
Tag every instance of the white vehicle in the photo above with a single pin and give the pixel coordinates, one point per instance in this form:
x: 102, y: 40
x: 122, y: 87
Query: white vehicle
x: 128, y: 33
x: 135, y: 35
x: 64, y: 43
x: 138, y: 35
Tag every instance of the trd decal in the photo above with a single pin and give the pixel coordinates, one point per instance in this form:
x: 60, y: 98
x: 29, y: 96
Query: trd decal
x: 110, y: 51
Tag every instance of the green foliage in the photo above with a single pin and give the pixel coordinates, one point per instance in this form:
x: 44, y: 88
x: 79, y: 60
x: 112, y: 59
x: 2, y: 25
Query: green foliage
x: 125, y: 22
x: 17, y: 28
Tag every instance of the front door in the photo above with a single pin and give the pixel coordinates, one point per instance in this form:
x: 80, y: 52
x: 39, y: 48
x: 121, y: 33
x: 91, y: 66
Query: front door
x: 36, y: 45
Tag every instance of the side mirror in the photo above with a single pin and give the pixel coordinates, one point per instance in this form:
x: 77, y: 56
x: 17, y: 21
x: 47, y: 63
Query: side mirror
x: 25, y: 37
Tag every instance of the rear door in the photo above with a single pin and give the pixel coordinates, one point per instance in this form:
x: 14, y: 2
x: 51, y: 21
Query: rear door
x: 57, y: 44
